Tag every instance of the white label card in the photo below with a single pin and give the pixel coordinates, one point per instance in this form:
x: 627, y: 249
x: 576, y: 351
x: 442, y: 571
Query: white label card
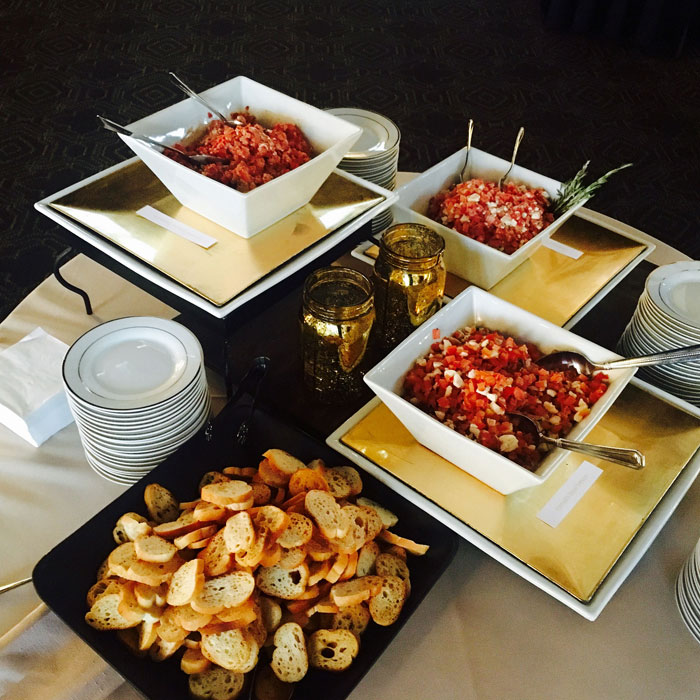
x: 569, y: 494
x: 562, y: 248
x: 176, y: 227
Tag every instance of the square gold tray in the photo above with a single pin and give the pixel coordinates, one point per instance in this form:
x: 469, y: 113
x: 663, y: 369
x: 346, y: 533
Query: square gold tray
x: 103, y: 210
x: 583, y: 560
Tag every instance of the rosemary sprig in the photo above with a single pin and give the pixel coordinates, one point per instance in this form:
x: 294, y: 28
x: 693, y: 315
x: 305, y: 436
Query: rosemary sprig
x: 573, y: 191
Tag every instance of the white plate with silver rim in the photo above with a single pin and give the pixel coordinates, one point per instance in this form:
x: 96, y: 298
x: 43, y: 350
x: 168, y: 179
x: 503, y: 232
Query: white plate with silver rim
x: 132, y: 362
x: 379, y: 134
x: 675, y: 289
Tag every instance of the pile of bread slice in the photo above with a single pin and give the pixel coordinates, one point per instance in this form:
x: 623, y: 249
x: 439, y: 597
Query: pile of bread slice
x: 278, y: 567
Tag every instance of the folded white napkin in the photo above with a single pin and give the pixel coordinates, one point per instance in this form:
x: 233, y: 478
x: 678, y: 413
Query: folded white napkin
x: 32, y: 399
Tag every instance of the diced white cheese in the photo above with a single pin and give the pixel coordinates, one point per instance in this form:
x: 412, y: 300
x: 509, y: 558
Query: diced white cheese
x: 508, y: 443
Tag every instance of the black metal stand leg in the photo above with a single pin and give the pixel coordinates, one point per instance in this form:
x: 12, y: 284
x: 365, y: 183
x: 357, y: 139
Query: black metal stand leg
x: 71, y: 287
x: 228, y: 383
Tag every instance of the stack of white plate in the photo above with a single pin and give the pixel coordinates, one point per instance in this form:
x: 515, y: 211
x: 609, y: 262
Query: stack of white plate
x: 138, y: 390
x: 375, y: 155
x: 668, y: 317
x: 688, y: 593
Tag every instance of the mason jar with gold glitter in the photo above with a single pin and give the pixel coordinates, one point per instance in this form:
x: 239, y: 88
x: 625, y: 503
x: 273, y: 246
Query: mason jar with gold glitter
x: 337, y: 316
x: 409, y: 281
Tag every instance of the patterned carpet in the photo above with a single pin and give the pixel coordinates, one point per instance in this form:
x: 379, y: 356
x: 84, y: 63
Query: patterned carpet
x: 427, y: 65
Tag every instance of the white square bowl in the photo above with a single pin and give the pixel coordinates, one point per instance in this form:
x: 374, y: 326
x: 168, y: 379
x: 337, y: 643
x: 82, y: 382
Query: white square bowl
x: 244, y: 213
x: 469, y: 259
x: 475, y: 307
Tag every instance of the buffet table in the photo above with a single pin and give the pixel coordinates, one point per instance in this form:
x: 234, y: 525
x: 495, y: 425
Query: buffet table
x: 482, y: 632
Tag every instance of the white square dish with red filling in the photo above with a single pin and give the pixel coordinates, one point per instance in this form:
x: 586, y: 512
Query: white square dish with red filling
x: 244, y: 213
x: 495, y: 467
x: 466, y: 257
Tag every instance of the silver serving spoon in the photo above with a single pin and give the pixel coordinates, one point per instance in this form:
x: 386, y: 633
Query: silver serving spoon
x: 518, y: 139
x: 567, y: 359
x: 470, y: 131
x: 197, y: 159
x: 633, y: 459
x: 196, y: 96
x: 14, y: 584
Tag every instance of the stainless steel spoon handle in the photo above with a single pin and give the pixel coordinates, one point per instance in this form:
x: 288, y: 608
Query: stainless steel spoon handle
x: 14, y: 584
x: 195, y: 96
x: 119, y: 129
x: 470, y: 131
x: 658, y: 358
x: 633, y: 459
x: 518, y: 139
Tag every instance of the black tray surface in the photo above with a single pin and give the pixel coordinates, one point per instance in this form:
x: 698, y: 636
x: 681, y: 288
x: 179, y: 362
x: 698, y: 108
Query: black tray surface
x: 63, y: 577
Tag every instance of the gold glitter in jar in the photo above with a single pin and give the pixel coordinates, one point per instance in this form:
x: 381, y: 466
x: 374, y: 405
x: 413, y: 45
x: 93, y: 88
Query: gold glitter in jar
x: 409, y: 281
x: 336, y: 319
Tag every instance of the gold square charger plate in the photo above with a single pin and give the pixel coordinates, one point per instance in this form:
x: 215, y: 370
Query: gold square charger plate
x: 107, y: 205
x: 574, y: 560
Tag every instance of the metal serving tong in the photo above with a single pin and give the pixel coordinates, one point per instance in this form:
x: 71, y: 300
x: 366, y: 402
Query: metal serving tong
x: 196, y: 96
x: 196, y: 158
x: 470, y: 131
x: 518, y: 139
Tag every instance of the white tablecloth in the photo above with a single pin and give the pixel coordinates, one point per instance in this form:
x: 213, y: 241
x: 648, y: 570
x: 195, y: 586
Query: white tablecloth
x: 482, y: 632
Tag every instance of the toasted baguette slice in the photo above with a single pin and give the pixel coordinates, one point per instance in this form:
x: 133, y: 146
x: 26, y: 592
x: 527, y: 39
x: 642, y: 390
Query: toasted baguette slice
x: 205, y: 512
x: 408, y: 545
x: 162, y: 506
x: 352, y: 617
x: 283, y: 464
x: 151, y: 596
x: 271, y: 520
x: 216, y: 556
x: 366, y: 558
x: 103, y: 586
x: 297, y: 533
x: 193, y: 661
x: 332, y: 650
x: 388, y: 518
x: 226, y: 493
x: 227, y: 591
x: 202, y: 533
x: 391, y: 565
x: 169, y: 629
x: 105, y: 614
x: 356, y: 591
x: 306, y: 480
x: 183, y: 524
x: 233, y: 649
x: 270, y: 613
x: 289, y: 659
x: 189, y: 619
x: 153, y: 548
x: 186, y: 583
x: 288, y: 584
x: 327, y: 514
x: 353, y: 478
x: 129, y: 527
x: 212, y: 477
x: 216, y: 683
x: 153, y: 573
x: 239, y: 533
x: 337, y: 483
x: 385, y: 607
